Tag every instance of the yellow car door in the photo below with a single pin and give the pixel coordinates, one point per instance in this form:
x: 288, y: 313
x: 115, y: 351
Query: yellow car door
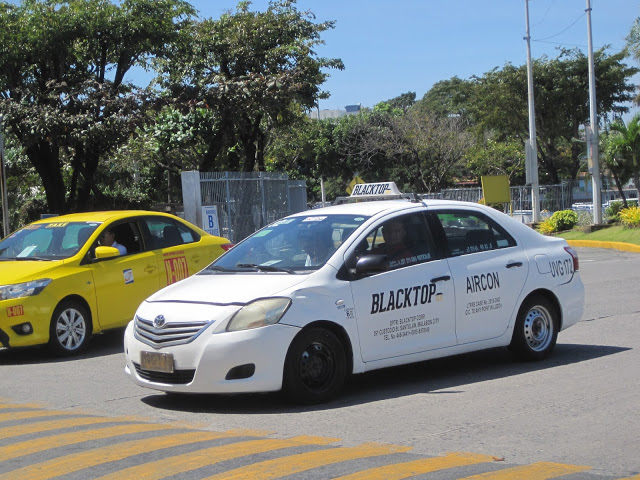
x: 179, y: 253
x: 124, y: 281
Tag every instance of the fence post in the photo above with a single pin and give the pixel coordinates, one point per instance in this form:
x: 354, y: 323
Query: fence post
x: 192, y: 197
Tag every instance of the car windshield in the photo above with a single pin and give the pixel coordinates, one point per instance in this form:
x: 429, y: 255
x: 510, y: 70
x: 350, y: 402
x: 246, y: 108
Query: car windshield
x: 291, y: 244
x: 46, y: 241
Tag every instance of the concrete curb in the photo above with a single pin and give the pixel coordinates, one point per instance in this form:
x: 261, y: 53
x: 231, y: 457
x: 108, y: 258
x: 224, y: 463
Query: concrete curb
x: 625, y: 247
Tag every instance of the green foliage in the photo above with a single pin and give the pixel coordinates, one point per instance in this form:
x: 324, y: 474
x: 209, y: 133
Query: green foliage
x: 630, y: 217
x: 614, y: 208
x: 558, y: 222
x: 249, y: 69
x: 62, y: 88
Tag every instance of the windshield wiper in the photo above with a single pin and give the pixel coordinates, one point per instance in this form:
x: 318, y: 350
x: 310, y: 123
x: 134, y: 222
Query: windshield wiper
x: 265, y: 268
x: 211, y: 269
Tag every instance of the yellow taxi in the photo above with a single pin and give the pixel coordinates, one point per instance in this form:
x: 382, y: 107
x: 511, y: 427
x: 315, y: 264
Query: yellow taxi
x: 65, y: 278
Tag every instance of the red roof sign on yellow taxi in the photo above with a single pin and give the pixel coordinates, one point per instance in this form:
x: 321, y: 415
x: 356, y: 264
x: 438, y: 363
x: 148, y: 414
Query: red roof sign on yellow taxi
x: 65, y: 278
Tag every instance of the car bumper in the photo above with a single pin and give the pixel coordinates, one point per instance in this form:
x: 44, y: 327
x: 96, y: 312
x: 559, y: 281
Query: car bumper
x: 33, y: 313
x: 571, y: 297
x: 217, y: 362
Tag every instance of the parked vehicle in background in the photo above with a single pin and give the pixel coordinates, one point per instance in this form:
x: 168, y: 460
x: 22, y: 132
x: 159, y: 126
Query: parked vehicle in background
x: 60, y: 285
x: 322, y: 294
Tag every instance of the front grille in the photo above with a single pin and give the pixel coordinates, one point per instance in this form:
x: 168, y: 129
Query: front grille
x: 170, y: 333
x: 178, y: 377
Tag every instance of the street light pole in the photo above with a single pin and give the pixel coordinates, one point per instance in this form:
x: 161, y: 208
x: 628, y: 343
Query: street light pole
x: 592, y: 138
x: 531, y: 149
x: 3, y: 185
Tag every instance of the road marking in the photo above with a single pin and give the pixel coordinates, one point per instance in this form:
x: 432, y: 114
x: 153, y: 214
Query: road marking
x: 635, y: 477
x: 8, y: 417
x: 210, y: 456
x: 535, y: 471
x: 47, y: 443
x: 4, y: 406
x: 38, y: 427
x: 398, y: 471
x: 281, y: 467
x: 90, y: 458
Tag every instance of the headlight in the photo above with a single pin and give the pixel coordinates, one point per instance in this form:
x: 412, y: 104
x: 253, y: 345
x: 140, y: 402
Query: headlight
x: 27, y: 289
x: 260, y: 313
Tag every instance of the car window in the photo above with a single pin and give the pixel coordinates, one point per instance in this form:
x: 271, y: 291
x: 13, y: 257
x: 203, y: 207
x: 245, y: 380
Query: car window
x: 406, y: 240
x: 48, y: 241
x: 300, y: 243
x: 470, y: 232
x: 164, y: 233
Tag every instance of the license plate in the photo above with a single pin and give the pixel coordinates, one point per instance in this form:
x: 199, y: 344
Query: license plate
x: 156, y: 362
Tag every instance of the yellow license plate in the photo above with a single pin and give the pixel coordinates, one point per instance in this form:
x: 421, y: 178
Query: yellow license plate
x: 156, y: 362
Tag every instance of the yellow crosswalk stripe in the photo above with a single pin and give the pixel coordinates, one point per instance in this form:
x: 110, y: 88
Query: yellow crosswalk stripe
x: 47, y: 443
x: 8, y: 417
x: 48, y: 425
x: 5, y: 406
x: 210, y: 456
x: 535, y: 471
x: 398, y: 471
x: 635, y: 477
x: 281, y: 467
x: 90, y: 458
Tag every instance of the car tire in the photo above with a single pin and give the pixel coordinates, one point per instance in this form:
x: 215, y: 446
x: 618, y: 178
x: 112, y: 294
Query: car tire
x: 70, y: 328
x: 536, y: 329
x: 315, y: 367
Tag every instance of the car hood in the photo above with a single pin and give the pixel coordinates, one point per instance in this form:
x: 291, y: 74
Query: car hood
x: 18, y: 271
x: 227, y: 288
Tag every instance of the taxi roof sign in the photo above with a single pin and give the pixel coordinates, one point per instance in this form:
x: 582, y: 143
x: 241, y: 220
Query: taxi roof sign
x: 375, y: 189
x: 364, y: 192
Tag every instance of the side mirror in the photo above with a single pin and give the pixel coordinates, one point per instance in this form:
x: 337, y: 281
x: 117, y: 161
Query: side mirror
x: 106, y: 252
x: 372, y: 264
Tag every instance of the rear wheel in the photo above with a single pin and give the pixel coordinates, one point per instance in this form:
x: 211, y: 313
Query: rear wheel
x: 315, y: 367
x: 536, y: 330
x: 70, y: 328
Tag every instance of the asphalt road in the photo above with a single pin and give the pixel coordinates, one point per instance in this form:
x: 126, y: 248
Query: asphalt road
x: 578, y: 408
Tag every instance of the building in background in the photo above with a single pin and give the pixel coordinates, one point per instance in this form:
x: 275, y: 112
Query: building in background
x: 324, y: 114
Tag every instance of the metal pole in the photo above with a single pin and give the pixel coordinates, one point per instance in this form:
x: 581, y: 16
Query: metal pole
x: 3, y: 182
x: 532, y: 169
x: 593, y: 119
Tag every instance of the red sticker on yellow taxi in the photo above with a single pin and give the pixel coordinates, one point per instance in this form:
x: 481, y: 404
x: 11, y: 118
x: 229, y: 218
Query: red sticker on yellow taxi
x: 177, y: 269
x: 15, y: 311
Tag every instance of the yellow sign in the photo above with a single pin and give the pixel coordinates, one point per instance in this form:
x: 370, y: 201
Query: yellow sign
x: 356, y: 180
x: 495, y: 189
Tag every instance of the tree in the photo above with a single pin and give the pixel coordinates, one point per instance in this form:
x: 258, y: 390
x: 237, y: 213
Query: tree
x: 62, y: 87
x: 633, y: 46
x: 247, y: 69
x: 625, y: 141
x: 495, y: 104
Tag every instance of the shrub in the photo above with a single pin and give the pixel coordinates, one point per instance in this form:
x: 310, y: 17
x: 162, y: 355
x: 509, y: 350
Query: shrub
x: 630, y: 217
x: 564, y: 220
x: 614, y: 208
x: 558, y: 222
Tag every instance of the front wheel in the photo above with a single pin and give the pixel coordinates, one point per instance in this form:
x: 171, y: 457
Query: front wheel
x: 536, y: 330
x: 315, y: 367
x: 70, y: 328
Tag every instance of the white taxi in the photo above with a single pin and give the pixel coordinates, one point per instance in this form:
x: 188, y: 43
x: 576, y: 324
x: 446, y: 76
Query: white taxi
x: 322, y: 294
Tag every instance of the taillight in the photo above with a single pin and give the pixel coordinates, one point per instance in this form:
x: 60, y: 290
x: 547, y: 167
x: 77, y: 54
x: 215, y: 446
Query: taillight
x: 574, y: 256
x: 227, y: 246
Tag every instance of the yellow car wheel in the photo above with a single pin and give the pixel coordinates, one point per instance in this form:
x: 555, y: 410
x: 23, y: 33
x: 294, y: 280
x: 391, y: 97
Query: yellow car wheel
x: 70, y: 328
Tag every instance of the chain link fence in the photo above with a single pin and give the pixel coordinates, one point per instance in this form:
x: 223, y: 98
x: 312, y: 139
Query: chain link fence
x: 245, y: 201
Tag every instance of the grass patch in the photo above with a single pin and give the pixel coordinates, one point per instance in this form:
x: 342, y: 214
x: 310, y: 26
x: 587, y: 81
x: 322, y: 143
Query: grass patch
x: 616, y: 233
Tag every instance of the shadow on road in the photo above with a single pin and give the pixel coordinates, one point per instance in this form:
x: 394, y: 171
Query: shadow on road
x: 445, y: 376
x: 103, y: 344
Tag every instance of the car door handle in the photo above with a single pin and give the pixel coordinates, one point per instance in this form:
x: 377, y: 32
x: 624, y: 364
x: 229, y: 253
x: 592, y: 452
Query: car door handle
x: 150, y: 268
x: 514, y: 264
x: 444, y: 278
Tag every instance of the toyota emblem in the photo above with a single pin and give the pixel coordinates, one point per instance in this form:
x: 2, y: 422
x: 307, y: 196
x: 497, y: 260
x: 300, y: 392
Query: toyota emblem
x: 159, y: 321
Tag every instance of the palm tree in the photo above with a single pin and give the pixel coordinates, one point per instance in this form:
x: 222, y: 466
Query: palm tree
x: 626, y: 143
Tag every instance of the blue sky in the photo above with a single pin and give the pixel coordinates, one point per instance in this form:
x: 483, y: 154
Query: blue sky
x: 393, y: 47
